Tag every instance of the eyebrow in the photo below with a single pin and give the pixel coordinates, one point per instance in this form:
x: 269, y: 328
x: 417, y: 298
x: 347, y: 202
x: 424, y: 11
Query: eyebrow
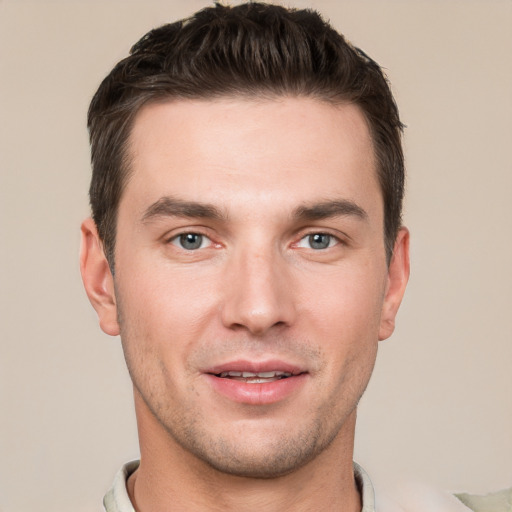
x: 172, y: 207
x: 327, y: 209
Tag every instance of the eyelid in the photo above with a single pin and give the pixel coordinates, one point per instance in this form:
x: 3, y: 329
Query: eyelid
x: 341, y: 237
x: 173, y: 235
x: 205, y: 242
x: 333, y: 238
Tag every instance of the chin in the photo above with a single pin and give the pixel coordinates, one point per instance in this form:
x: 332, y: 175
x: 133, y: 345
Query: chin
x: 262, y: 457
x: 247, y: 465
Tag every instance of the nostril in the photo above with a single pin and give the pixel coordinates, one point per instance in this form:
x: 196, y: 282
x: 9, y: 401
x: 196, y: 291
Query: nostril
x: 256, y: 305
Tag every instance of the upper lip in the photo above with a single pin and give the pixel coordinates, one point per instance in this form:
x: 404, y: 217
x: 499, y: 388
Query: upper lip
x: 243, y: 365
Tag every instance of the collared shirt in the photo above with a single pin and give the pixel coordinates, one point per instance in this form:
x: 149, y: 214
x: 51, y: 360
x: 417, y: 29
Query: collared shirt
x: 117, y: 499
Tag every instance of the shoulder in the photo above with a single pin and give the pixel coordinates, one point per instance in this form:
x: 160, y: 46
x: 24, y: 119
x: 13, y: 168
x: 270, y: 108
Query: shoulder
x: 500, y: 501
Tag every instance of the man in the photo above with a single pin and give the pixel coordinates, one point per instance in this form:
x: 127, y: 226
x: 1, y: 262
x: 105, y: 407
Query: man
x: 246, y: 243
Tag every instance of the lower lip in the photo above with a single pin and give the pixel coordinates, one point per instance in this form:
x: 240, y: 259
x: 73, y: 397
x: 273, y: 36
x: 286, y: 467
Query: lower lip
x: 257, y: 394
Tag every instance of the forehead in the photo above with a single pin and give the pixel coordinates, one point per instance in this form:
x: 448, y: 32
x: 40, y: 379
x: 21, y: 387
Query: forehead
x: 232, y: 149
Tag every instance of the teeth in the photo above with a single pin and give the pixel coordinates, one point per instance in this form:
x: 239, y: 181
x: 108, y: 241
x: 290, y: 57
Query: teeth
x: 256, y: 377
x: 231, y: 374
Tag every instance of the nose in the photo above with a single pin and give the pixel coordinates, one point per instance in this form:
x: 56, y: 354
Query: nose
x: 258, y: 292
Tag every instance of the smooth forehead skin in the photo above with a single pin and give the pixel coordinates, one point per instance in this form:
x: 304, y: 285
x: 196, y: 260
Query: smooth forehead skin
x: 232, y: 138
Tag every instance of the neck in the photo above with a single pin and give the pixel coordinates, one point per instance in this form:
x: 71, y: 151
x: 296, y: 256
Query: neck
x: 168, y: 476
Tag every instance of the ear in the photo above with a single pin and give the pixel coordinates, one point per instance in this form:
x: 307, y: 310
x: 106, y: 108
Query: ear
x: 97, y: 278
x: 398, y: 275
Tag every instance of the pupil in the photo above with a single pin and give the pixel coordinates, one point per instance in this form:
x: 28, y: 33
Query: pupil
x: 319, y: 240
x: 191, y: 241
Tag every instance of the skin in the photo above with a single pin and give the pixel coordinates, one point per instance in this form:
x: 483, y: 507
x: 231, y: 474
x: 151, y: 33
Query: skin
x: 268, y: 175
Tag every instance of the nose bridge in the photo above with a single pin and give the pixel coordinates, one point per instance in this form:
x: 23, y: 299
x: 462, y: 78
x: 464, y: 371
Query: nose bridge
x: 258, y: 292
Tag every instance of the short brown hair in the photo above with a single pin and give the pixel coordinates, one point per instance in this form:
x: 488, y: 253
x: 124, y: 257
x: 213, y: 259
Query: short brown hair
x: 252, y: 49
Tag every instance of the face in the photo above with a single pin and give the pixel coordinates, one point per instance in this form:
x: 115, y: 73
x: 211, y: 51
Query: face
x: 251, y: 284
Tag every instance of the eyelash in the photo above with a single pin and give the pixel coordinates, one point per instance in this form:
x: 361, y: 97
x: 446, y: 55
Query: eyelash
x: 180, y: 239
x: 332, y: 240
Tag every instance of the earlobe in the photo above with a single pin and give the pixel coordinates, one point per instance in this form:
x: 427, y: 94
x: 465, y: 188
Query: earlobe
x: 398, y: 275
x: 97, y: 278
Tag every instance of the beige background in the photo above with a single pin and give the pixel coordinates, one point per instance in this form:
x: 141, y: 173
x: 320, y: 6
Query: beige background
x: 439, y: 405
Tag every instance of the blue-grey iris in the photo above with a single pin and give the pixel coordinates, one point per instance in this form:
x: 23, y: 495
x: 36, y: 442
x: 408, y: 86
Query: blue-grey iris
x: 319, y: 241
x: 191, y: 241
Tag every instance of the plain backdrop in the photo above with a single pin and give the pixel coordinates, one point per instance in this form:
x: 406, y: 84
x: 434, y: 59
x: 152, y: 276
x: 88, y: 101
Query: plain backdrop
x: 438, y: 408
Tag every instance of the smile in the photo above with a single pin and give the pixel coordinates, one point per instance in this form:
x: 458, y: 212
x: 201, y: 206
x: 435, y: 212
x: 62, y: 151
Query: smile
x: 255, y: 378
x: 256, y: 383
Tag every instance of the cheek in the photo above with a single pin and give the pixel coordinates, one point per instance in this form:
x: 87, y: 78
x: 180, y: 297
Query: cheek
x: 343, y: 317
x: 160, y: 321
x: 161, y: 307
x: 347, y: 301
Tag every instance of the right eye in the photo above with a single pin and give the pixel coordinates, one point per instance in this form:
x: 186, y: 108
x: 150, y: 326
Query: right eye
x: 191, y: 241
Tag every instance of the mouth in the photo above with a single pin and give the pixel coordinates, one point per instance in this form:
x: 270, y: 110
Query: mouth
x: 256, y: 384
x: 255, y: 378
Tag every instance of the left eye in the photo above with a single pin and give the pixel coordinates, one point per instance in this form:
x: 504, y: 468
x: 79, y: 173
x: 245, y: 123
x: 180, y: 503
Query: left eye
x: 191, y: 241
x: 318, y: 241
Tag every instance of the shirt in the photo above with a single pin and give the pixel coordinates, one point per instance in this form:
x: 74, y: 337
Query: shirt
x: 117, y: 499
